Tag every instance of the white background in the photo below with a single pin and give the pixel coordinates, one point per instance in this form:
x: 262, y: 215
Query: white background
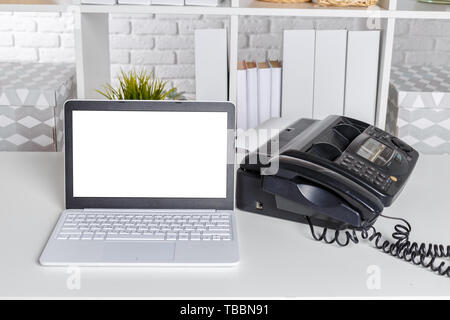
x: 149, y: 154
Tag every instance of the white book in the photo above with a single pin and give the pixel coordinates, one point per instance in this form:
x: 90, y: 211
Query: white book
x: 168, y: 2
x: 329, y: 73
x: 144, y: 2
x: 275, y: 94
x: 252, y: 95
x: 362, y: 75
x: 264, y: 92
x: 206, y: 3
x: 211, y: 70
x: 241, y: 96
x: 98, y: 1
x: 298, y: 73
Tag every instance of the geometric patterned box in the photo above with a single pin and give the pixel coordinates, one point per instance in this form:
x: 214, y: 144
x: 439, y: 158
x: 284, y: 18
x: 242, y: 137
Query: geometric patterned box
x: 32, y: 97
x: 419, y: 107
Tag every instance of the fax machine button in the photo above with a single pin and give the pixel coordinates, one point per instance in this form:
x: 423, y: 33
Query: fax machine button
x: 399, y: 143
x: 398, y: 157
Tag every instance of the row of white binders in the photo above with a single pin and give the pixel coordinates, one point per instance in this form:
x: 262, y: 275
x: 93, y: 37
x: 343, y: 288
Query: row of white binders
x: 324, y: 72
x: 258, y: 92
x: 212, y: 3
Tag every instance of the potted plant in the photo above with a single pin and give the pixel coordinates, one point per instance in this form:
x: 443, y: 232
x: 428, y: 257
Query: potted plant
x: 142, y: 85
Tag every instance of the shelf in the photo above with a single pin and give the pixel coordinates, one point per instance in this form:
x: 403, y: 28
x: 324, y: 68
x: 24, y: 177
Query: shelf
x: 253, y: 7
x: 406, y: 9
x: 246, y: 7
x: 222, y: 9
x: 91, y: 33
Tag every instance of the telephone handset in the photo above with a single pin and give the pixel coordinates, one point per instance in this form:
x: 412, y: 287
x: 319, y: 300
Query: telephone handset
x: 327, y: 191
x: 338, y: 173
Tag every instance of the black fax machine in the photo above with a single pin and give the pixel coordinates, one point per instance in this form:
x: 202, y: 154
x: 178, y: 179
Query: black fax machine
x: 337, y: 173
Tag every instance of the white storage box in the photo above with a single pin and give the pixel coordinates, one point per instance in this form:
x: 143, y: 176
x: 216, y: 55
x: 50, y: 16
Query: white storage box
x: 32, y: 96
x: 419, y: 107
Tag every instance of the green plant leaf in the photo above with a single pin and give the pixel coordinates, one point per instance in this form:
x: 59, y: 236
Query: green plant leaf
x: 140, y: 85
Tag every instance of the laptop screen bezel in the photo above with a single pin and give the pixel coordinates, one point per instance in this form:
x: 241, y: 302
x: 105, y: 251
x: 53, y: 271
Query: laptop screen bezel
x: 149, y: 203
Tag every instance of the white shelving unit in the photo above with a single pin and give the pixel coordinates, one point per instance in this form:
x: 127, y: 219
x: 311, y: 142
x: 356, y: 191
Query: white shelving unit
x: 92, y: 31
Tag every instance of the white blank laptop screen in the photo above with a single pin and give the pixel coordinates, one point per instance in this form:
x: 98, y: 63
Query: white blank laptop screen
x: 155, y: 154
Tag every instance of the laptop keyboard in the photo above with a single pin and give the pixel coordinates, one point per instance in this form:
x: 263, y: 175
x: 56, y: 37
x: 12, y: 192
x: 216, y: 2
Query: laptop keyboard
x: 146, y: 227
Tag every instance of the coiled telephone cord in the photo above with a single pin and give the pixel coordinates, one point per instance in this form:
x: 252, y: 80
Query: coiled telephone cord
x: 420, y: 254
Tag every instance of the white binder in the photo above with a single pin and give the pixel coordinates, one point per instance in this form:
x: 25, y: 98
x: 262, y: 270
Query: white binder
x: 264, y: 91
x: 206, y: 3
x: 211, y: 70
x: 362, y: 75
x: 241, y: 96
x: 275, y: 95
x: 252, y: 95
x: 144, y: 2
x: 168, y: 2
x: 298, y: 73
x: 329, y: 75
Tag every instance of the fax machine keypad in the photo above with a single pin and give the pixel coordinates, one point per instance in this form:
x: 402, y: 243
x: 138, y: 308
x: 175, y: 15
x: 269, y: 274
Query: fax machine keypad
x: 367, y: 172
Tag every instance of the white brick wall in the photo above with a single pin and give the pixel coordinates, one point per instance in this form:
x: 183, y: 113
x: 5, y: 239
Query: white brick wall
x: 422, y: 41
x: 39, y: 37
x: 165, y: 42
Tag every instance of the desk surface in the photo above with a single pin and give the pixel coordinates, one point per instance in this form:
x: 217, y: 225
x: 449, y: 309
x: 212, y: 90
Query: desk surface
x: 278, y: 258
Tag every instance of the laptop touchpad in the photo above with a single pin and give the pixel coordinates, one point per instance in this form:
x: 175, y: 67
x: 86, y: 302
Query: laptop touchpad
x: 138, y: 251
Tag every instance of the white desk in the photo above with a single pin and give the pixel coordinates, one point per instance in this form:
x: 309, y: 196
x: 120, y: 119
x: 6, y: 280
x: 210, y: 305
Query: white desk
x: 278, y: 258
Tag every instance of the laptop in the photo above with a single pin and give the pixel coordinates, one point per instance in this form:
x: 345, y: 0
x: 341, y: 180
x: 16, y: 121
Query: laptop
x: 147, y: 183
